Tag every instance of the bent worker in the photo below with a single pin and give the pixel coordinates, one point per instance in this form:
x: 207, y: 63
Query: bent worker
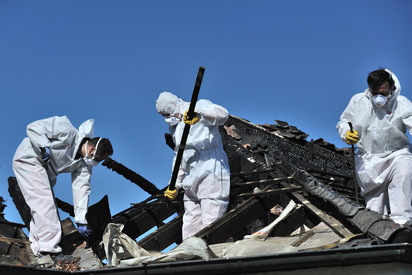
x: 54, y: 146
x: 380, y: 118
x: 204, y: 172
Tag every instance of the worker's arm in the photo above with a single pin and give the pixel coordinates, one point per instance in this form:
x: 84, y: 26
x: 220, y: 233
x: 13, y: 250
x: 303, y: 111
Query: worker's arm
x: 407, y: 115
x: 347, y: 116
x: 81, y: 190
x: 211, y: 114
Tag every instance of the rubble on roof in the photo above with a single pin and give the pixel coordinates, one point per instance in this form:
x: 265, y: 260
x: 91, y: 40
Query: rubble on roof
x: 272, y: 167
x: 283, y: 129
x: 14, y: 244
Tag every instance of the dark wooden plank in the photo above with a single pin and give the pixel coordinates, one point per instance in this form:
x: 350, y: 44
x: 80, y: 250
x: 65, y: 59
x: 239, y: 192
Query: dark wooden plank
x: 164, y: 236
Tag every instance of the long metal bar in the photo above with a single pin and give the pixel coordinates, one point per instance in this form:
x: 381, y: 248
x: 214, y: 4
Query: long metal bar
x: 182, y: 144
x: 355, y: 180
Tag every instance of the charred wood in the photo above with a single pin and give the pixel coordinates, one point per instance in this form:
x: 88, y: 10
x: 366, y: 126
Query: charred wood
x: 131, y: 175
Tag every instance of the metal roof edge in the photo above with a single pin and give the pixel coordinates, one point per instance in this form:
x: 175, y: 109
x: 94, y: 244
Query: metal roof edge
x: 390, y: 253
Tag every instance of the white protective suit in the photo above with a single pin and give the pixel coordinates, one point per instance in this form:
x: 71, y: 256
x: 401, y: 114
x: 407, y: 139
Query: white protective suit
x: 204, y: 172
x: 383, y: 161
x: 36, y: 181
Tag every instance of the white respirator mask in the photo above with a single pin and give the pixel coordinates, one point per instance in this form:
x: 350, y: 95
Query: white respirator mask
x: 379, y: 100
x: 173, y: 119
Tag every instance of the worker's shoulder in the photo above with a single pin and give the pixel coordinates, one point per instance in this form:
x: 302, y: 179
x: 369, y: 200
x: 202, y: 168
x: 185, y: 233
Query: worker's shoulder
x: 206, y: 103
x: 51, y: 120
x: 403, y: 98
x: 62, y: 120
x: 359, y: 97
x: 404, y: 101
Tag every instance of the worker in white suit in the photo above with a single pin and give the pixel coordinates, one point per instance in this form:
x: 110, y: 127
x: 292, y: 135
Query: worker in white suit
x: 380, y: 118
x: 55, y: 146
x: 204, y: 171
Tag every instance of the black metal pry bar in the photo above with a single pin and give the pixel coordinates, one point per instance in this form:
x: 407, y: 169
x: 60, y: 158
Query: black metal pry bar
x: 185, y: 134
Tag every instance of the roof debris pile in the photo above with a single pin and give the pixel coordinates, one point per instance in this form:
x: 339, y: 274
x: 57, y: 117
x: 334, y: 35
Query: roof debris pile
x: 288, y: 195
x: 14, y: 244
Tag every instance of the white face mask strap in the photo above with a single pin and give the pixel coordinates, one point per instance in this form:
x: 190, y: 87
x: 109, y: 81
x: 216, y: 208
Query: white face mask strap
x: 97, y: 145
x: 87, y: 146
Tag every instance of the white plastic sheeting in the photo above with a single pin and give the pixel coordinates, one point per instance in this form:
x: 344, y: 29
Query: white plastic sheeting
x: 121, y: 250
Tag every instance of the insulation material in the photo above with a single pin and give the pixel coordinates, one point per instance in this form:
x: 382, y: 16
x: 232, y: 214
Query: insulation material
x: 322, y: 236
x: 190, y: 249
x: 118, y: 245
x: 264, y: 232
x: 121, y: 250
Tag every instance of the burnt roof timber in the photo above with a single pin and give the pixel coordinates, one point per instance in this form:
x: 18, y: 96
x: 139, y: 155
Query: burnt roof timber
x: 14, y: 240
x: 309, y: 155
x: 288, y: 166
x: 224, y: 227
x: 270, y: 192
x: 253, y: 172
x: 329, y: 220
x: 138, y: 220
x: 259, y: 182
x: 12, y: 223
x: 237, y: 218
x: 164, y: 236
x: 144, y: 205
x: 337, y: 226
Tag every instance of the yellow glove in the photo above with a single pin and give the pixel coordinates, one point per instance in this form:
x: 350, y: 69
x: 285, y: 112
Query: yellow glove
x: 171, y: 194
x: 351, y: 137
x: 195, y: 119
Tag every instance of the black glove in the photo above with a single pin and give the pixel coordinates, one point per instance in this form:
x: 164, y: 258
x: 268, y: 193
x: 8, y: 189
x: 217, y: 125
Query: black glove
x: 169, y: 141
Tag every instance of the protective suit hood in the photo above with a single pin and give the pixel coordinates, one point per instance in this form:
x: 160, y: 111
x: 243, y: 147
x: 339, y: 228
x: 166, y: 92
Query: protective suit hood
x: 86, y: 129
x: 391, y: 103
x: 166, y: 103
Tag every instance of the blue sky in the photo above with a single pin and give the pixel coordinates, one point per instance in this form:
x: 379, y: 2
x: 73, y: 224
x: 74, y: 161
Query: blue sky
x: 297, y: 61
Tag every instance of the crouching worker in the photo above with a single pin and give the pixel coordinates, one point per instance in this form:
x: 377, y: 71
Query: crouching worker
x: 380, y: 117
x: 53, y: 146
x: 204, y: 171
